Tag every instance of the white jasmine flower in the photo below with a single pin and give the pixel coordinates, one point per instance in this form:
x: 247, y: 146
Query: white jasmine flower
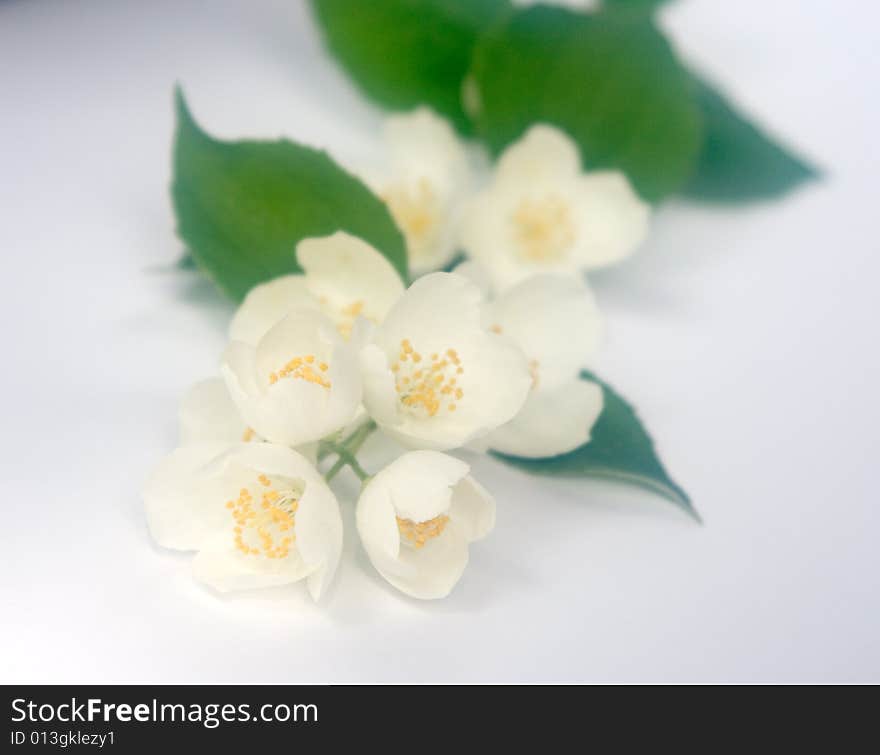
x: 344, y: 277
x: 434, y: 376
x: 258, y: 514
x: 555, y: 321
x: 426, y: 185
x: 416, y: 518
x: 542, y: 213
x: 299, y: 383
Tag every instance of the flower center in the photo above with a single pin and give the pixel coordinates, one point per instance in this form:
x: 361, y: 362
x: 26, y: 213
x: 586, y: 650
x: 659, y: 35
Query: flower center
x: 261, y: 529
x: 427, y: 388
x: 303, y: 368
x: 418, y: 533
x: 416, y: 211
x: 543, y: 228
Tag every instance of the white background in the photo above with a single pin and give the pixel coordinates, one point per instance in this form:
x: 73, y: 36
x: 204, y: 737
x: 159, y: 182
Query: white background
x: 747, y: 338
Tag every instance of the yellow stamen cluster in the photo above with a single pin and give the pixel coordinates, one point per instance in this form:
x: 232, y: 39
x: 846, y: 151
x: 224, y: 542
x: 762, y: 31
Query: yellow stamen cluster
x: 303, y: 368
x: 418, y: 533
x: 415, y: 211
x: 262, y: 529
x: 248, y: 435
x: 544, y: 228
x: 427, y: 387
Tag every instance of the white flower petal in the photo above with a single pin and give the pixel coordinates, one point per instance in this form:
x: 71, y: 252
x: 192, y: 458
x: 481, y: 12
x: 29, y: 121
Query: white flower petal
x: 445, y: 435
x: 293, y: 413
x: 273, y: 459
x: 238, y: 368
x: 361, y: 332
x: 349, y: 277
x: 472, y: 509
x: 379, y: 393
x: 486, y: 234
x: 551, y: 422
x: 554, y: 320
x: 431, y: 572
x: 427, y: 573
x: 420, y: 483
x: 319, y: 534
x: 421, y: 143
x: 208, y: 414
x: 543, y: 154
x: 184, y: 497
x: 477, y: 274
x: 300, y: 334
x: 436, y: 306
x: 612, y: 219
x: 376, y: 522
x: 224, y: 568
x: 267, y: 304
x: 496, y: 382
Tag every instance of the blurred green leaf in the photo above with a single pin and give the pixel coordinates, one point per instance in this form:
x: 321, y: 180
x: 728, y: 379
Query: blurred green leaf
x: 738, y: 161
x: 642, y: 6
x: 243, y: 206
x: 404, y: 53
x: 619, y: 450
x: 609, y: 79
x: 186, y: 262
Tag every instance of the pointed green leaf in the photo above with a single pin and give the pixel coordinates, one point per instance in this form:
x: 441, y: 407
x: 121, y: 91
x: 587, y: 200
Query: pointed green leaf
x: 243, y: 206
x: 619, y: 450
x: 404, y: 53
x: 609, y: 79
x: 738, y: 161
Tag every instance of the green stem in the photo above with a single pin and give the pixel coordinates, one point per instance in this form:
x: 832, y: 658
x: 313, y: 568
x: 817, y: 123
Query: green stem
x: 346, y: 458
x: 325, y: 449
x: 347, y: 451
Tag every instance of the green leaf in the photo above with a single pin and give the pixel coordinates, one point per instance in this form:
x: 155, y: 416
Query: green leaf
x: 619, y: 450
x: 641, y: 6
x: 739, y: 162
x: 186, y: 262
x: 404, y: 53
x: 609, y: 79
x: 243, y: 206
